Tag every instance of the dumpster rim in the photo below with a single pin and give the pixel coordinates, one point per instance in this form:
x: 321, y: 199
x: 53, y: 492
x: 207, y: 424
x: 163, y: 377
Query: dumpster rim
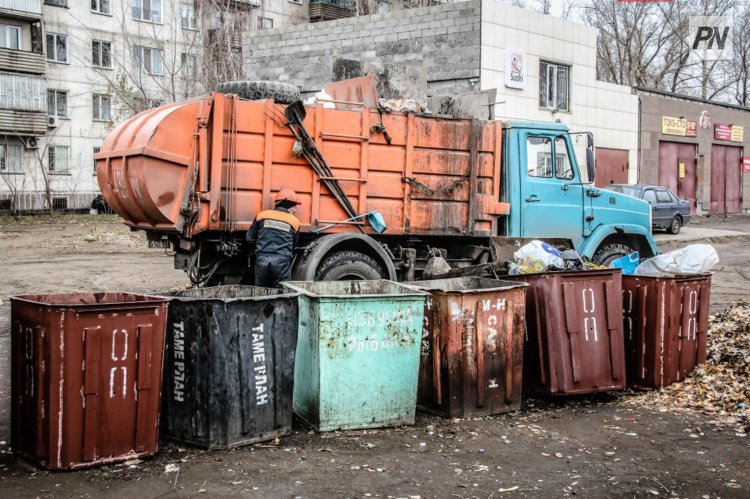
x: 188, y: 299
x: 676, y: 277
x: 435, y: 290
x: 155, y: 300
x: 410, y: 292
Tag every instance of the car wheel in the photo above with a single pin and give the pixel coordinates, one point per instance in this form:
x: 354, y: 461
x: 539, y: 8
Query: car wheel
x: 676, y: 225
x: 610, y: 252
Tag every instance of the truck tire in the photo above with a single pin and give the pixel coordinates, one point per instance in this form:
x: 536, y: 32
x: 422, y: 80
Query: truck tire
x: 283, y: 93
x: 349, y: 266
x: 675, y: 225
x: 609, y: 252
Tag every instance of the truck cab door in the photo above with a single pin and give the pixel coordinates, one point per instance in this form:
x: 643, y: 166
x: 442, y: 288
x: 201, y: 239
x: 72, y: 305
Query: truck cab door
x: 551, y: 192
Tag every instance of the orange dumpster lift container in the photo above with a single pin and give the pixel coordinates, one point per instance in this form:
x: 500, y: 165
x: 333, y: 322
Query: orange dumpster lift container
x: 86, y: 377
x: 213, y: 163
x: 666, y: 327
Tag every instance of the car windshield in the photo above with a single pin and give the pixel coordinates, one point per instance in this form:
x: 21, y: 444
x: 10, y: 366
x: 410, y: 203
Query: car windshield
x: 625, y: 189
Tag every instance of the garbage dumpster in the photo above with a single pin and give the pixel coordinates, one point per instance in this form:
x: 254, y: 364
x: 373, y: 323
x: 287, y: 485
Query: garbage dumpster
x: 666, y: 325
x: 358, y: 353
x: 229, y: 366
x: 574, y: 334
x: 86, y: 377
x: 472, y: 346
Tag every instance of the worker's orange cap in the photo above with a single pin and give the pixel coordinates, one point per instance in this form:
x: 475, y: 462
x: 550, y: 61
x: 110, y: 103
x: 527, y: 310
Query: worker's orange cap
x: 286, y: 195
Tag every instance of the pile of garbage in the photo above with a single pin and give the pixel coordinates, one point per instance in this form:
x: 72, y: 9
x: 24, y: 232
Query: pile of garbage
x: 721, y: 387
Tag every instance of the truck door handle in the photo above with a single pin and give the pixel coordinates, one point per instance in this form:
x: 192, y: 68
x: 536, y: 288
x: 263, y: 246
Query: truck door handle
x: 532, y: 199
x: 593, y: 194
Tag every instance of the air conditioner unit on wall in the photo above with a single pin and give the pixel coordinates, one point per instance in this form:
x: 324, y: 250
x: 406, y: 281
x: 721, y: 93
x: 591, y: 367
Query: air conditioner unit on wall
x: 30, y: 143
x: 53, y: 121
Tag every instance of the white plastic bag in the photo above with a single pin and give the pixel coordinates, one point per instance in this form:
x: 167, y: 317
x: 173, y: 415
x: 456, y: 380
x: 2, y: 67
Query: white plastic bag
x: 535, y: 257
x: 692, y: 259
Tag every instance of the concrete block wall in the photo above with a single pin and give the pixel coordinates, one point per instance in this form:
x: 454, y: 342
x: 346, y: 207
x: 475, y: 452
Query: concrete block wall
x: 444, y: 40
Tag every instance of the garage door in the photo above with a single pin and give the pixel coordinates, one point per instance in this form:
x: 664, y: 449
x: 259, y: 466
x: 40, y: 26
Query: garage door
x: 611, y: 166
x: 726, y: 185
x: 677, y: 169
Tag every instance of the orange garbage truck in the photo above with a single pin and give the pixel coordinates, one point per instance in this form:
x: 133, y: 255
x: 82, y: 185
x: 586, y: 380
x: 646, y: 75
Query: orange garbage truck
x: 194, y: 174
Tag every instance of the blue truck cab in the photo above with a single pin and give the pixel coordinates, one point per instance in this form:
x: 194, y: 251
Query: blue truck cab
x: 551, y: 197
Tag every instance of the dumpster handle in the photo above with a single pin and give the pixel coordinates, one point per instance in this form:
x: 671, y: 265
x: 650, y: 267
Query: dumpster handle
x: 572, y: 327
x: 641, y: 337
x: 436, y: 354
x: 510, y: 319
x: 539, y: 336
x: 478, y: 353
x: 613, y: 305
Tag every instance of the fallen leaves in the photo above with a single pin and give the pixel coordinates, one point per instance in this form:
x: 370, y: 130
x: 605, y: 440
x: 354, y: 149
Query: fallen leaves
x: 721, y: 387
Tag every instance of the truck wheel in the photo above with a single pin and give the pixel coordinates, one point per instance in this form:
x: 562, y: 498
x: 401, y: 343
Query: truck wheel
x: 349, y: 266
x: 283, y: 93
x: 675, y: 225
x: 609, y: 252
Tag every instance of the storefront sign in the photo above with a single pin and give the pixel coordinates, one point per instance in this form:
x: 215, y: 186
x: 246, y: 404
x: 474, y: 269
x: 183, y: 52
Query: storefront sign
x: 682, y: 170
x: 738, y: 133
x: 733, y: 133
x: 515, y: 69
x: 746, y: 164
x: 678, y: 126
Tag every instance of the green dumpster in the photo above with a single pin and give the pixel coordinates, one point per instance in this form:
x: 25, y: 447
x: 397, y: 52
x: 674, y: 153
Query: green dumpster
x: 357, y: 356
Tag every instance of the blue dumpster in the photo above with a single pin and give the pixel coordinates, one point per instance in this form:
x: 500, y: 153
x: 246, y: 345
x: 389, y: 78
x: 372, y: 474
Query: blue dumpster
x: 357, y: 356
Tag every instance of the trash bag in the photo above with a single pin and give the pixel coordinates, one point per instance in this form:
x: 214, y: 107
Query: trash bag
x: 627, y: 263
x: 535, y: 257
x: 692, y: 259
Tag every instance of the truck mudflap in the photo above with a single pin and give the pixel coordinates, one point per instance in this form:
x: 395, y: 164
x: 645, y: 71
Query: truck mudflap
x: 591, y: 244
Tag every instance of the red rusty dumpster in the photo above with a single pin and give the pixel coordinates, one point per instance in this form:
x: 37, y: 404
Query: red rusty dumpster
x: 574, y: 334
x: 666, y: 325
x: 86, y: 377
x: 472, y: 346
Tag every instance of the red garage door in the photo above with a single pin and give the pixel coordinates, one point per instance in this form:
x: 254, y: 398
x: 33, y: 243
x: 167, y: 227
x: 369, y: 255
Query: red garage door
x: 611, y: 166
x: 726, y: 183
x: 677, y: 169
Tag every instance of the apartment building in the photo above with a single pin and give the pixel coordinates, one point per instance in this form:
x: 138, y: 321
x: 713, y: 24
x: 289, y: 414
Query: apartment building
x: 23, y: 106
x: 70, y: 70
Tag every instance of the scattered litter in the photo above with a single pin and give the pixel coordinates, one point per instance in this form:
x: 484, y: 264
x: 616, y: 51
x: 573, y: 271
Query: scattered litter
x: 171, y: 468
x: 509, y: 489
x: 132, y: 462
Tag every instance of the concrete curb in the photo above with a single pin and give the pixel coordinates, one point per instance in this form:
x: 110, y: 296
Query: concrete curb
x: 710, y: 240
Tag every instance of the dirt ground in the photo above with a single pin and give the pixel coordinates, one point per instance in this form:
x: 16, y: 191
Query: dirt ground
x: 588, y: 447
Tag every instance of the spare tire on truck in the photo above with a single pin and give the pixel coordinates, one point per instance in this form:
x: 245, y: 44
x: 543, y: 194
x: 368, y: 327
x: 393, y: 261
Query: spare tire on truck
x: 283, y: 93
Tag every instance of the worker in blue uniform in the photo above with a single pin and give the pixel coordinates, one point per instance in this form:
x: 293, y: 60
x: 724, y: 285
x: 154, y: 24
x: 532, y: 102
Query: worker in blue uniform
x: 272, y: 237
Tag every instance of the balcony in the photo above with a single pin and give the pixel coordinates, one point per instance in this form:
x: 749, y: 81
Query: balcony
x: 21, y: 61
x: 328, y: 10
x: 21, y: 9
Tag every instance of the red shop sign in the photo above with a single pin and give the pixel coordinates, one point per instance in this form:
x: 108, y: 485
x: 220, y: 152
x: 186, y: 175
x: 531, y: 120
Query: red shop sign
x: 723, y: 132
x: 746, y: 164
x: 691, y: 128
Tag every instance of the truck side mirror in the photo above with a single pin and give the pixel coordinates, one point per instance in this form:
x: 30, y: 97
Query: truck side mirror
x: 590, y: 164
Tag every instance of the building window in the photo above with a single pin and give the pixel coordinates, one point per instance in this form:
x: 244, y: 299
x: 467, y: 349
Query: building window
x: 265, y: 23
x: 148, y: 58
x: 57, y: 103
x: 57, y: 159
x: 59, y: 203
x: 57, y: 47
x: 554, y: 86
x: 10, y: 158
x: 187, y: 13
x: 56, y: 3
x: 96, y: 151
x: 189, y: 65
x: 147, y: 10
x: 102, y: 107
x: 101, y: 6
x: 10, y: 37
x: 102, y: 54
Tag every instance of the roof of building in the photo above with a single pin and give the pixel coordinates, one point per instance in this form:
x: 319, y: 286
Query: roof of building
x: 689, y: 98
